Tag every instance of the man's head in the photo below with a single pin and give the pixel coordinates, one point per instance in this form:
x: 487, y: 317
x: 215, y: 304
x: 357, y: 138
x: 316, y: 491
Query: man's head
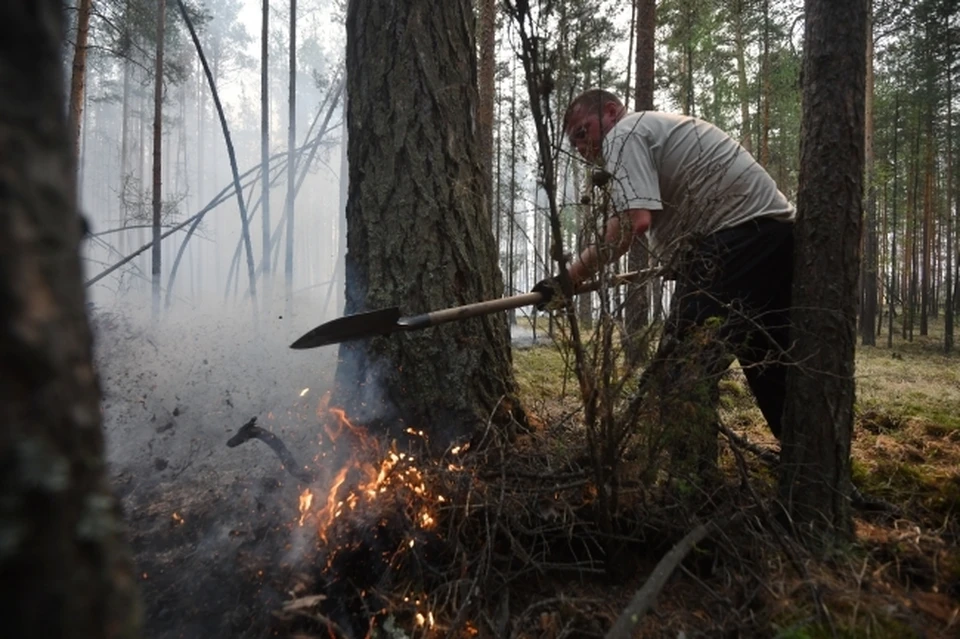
x: 589, y: 117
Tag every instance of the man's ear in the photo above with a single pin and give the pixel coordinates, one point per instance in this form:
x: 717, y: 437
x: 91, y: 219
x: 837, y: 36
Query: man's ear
x: 612, y: 111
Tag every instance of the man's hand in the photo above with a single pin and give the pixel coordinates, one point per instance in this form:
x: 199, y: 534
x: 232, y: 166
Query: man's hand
x: 549, y: 289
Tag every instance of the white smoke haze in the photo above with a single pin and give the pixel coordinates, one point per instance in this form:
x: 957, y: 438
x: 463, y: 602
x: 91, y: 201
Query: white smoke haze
x: 214, y: 529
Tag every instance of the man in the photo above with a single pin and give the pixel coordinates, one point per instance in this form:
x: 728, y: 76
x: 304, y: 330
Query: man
x: 715, y: 220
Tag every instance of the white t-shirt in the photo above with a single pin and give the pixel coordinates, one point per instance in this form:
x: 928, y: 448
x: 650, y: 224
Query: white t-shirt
x: 694, y: 177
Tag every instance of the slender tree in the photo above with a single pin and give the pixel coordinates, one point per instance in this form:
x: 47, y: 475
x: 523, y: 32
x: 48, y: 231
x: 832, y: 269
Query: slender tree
x: 818, y: 420
x: 637, y: 307
x: 948, y: 311
x: 738, y: 13
x: 79, y: 71
x: 231, y: 154
x: 65, y: 570
x: 265, y: 145
x: 291, y: 161
x: 894, y: 290
x: 869, y: 279
x: 765, y: 96
x: 487, y: 35
x: 157, y: 157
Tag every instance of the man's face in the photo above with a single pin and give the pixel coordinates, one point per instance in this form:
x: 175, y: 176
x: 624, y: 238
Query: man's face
x: 587, y: 128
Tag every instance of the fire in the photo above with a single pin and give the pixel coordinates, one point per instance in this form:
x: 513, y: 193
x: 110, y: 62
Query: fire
x: 394, y: 474
x: 331, y: 511
x: 306, y: 500
x: 425, y: 620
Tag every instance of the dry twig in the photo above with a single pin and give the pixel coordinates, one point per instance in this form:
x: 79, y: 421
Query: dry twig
x: 251, y: 431
x: 644, y: 598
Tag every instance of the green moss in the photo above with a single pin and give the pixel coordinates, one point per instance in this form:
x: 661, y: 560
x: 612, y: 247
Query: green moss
x: 541, y: 372
x: 734, y: 388
x: 903, y: 482
x: 876, y: 625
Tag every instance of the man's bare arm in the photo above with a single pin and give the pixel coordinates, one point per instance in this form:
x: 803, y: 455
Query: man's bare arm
x: 616, y: 242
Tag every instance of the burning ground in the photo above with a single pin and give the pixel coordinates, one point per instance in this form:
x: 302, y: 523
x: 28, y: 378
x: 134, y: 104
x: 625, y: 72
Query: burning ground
x: 367, y: 537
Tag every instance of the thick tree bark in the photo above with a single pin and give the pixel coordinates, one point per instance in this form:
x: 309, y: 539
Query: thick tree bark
x: 818, y: 421
x: 417, y: 234
x: 78, y: 75
x: 64, y: 568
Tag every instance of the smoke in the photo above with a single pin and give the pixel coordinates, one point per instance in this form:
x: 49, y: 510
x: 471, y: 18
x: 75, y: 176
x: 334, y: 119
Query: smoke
x: 211, y: 526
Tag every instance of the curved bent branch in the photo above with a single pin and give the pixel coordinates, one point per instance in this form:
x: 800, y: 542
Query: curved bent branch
x: 230, y: 151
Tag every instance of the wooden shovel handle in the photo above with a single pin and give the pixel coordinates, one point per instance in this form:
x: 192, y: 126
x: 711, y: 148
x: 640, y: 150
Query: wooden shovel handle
x: 507, y: 303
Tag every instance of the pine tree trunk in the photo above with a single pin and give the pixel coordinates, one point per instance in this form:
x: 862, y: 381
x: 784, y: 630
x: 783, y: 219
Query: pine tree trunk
x: 157, y: 153
x: 417, y: 236
x: 65, y: 570
x: 927, y: 235
x: 79, y: 71
x: 637, y: 307
x: 765, y: 92
x: 265, y: 149
x: 868, y: 312
x: 511, y: 229
x: 948, y: 267
x: 740, y: 47
x: 487, y: 10
x: 231, y: 155
x: 894, y: 292
x: 818, y: 420
x: 291, y: 163
x: 913, y: 240
x: 125, y: 175
x: 630, y: 48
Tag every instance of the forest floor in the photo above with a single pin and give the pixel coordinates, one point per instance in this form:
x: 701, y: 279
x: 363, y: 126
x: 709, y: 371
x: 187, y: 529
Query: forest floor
x: 899, y: 577
x: 504, y: 540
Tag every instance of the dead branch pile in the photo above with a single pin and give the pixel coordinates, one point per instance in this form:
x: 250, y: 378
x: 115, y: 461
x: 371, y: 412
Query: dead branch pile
x: 503, y: 541
x: 500, y: 541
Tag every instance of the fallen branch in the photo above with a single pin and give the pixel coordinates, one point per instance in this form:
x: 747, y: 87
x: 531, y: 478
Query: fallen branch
x: 645, y: 597
x: 251, y: 431
x: 769, y: 457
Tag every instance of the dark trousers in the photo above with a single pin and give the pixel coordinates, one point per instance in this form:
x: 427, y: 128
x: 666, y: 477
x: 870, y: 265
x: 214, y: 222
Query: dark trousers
x: 739, y: 281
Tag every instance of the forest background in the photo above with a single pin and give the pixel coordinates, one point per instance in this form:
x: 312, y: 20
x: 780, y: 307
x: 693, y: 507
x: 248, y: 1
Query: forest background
x: 149, y: 167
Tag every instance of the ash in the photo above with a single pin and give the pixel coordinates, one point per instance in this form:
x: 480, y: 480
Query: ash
x: 214, y: 529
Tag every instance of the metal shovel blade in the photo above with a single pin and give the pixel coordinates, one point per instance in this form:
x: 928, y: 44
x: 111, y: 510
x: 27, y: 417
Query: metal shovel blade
x: 379, y: 322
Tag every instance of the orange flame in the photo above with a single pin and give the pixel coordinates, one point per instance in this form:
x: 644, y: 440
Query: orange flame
x: 394, y: 472
x: 306, y: 499
x: 330, y: 511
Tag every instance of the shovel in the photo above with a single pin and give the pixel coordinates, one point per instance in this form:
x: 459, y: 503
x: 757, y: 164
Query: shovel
x: 389, y: 320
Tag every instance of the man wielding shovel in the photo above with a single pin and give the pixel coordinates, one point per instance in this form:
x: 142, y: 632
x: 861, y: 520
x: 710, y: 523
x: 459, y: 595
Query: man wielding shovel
x: 716, y: 220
